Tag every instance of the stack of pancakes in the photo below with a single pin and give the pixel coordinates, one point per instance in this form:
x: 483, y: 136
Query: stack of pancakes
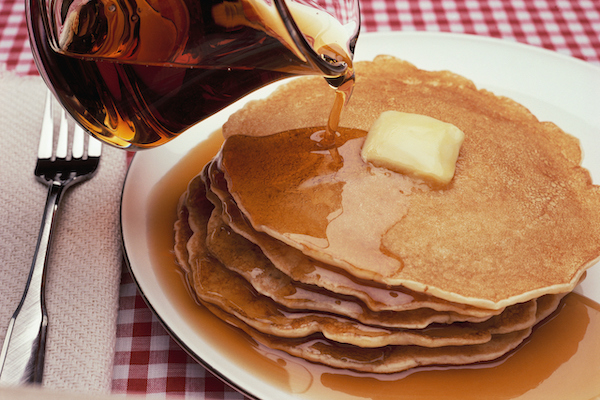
x: 312, y: 251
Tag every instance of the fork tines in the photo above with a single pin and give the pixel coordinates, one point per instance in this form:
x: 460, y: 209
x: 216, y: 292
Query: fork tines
x: 70, y: 135
x: 78, y: 149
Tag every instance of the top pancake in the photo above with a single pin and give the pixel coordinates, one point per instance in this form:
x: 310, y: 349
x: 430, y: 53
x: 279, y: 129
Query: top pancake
x: 520, y: 219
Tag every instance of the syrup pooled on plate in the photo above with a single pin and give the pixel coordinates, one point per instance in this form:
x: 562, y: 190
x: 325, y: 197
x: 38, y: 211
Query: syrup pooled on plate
x: 560, y: 360
x: 315, y: 197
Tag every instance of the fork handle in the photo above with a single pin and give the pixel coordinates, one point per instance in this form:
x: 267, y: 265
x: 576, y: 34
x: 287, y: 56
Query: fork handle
x: 22, y: 356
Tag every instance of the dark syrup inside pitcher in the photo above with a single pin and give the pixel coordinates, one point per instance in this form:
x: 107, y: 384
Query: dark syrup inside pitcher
x: 138, y: 77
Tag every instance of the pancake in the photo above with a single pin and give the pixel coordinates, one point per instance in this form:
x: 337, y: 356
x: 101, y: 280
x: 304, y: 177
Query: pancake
x: 246, y: 259
x: 301, y: 268
x: 254, y: 267
x: 519, y: 220
x: 388, y: 359
x: 391, y: 359
x: 216, y: 285
x: 314, y: 252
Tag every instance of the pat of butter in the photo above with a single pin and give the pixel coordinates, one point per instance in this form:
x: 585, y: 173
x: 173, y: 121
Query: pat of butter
x: 414, y: 144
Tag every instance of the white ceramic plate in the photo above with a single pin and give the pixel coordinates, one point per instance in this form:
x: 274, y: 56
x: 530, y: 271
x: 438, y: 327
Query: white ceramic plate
x: 553, y: 86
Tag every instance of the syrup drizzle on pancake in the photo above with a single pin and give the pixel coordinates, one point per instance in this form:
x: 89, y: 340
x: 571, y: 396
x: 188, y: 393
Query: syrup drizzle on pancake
x: 330, y: 175
x: 568, y: 371
x: 520, y: 211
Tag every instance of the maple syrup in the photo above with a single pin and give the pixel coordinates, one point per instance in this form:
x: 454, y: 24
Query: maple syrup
x: 138, y: 74
x: 321, y: 196
x: 561, y: 359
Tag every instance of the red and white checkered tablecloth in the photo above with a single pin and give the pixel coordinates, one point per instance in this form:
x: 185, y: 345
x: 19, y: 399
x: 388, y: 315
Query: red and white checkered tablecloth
x: 147, y: 360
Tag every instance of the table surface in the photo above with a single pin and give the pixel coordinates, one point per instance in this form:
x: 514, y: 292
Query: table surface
x: 147, y: 360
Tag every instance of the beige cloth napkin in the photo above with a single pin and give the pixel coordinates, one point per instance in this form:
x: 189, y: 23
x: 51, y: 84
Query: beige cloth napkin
x: 85, y: 260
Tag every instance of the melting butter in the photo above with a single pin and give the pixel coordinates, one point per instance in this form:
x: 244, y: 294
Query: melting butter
x: 414, y: 144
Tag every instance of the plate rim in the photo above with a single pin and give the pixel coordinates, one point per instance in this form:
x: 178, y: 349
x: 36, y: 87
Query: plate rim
x: 173, y: 148
x: 489, y: 39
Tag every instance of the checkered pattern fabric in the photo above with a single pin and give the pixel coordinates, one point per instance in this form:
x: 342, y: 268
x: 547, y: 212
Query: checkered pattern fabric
x: 15, y: 53
x: 569, y: 27
x: 147, y: 360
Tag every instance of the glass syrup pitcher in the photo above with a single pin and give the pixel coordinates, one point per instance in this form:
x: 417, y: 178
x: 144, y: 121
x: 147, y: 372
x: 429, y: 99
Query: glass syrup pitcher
x: 137, y: 73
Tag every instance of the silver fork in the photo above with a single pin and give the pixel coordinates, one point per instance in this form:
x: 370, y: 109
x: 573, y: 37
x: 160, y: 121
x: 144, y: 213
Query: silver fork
x: 22, y: 356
